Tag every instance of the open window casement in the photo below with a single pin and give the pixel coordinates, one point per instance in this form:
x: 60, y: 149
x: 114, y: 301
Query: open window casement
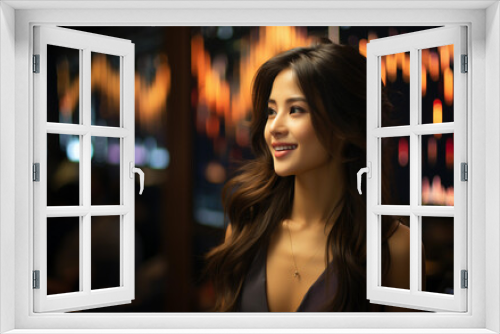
x: 73, y: 125
x: 425, y: 127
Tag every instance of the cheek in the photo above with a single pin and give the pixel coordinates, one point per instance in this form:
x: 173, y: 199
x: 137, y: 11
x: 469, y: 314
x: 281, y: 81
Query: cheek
x: 308, y: 135
x: 314, y: 145
x: 267, y: 134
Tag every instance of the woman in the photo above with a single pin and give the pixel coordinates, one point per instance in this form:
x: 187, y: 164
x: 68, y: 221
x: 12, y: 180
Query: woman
x: 297, y: 234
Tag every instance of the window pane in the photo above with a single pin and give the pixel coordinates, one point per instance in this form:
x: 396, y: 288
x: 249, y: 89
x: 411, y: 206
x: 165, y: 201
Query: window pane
x: 63, y: 85
x: 437, y: 84
x: 437, y: 240
x: 105, y: 170
x: 105, y: 252
x: 63, y: 255
x: 437, y: 169
x: 63, y: 170
x: 395, y: 76
x: 396, y: 171
x: 105, y: 75
x: 391, y: 225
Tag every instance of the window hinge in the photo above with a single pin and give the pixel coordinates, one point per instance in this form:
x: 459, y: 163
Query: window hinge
x: 464, y: 172
x: 465, y: 64
x: 36, y: 63
x: 465, y: 279
x: 36, y: 172
x: 36, y: 279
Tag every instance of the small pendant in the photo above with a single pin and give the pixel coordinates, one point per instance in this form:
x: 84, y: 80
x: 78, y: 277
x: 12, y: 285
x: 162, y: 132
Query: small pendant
x: 296, y: 274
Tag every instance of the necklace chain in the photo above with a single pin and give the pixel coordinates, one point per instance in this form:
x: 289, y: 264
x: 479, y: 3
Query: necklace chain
x: 296, y: 273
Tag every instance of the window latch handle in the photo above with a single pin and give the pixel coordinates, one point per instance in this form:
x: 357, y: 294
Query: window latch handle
x: 141, y: 175
x: 368, y: 171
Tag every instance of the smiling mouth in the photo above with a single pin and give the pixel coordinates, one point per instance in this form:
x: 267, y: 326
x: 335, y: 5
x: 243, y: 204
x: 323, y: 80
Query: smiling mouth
x: 285, y: 148
x: 283, y: 151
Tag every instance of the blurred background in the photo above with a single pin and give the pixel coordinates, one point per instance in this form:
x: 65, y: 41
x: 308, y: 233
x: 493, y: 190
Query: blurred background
x: 192, y: 112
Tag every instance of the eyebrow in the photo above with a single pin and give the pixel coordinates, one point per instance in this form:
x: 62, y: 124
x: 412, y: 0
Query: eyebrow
x: 290, y: 100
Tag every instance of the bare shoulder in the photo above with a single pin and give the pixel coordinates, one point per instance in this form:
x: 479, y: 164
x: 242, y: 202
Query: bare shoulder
x: 399, y: 242
x: 398, y: 275
x: 229, y: 232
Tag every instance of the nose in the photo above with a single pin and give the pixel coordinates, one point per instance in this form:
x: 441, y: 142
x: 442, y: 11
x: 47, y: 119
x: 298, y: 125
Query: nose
x: 278, y: 127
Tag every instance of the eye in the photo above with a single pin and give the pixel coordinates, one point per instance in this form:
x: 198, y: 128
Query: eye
x: 271, y: 112
x: 295, y: 109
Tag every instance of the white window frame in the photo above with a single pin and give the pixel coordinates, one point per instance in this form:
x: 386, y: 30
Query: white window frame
x: 415, y: 210
x: 85, y: 44
x: 483, y: 21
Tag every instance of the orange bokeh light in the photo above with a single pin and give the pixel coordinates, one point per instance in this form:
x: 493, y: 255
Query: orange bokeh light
x: 403, y: 154
x: 406, y: 67
x: 391, y: 66
x: 432, y: 151
x: 383, y: 70
x: 433, y: 66
x: 362, y: 47
x: 424, y: 80
x: 150, y: 96
x: 216, y: 94
x: 437, y: 111
x: 444, y: 56
x: 448, y: 86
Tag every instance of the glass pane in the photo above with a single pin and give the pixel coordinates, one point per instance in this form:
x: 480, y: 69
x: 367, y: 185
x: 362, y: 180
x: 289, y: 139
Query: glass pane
x: 63, y: 85
x: 437, y: 169
x: 105, y: 171
x: 401, y: 270
x: 395, y: 76
x: 437, y: 84
x: 63, y: 170
x: 105, y: 103
x: 63, y: 255
x: 105, y: 250
x: 396, y: 171
x: 437, y: 240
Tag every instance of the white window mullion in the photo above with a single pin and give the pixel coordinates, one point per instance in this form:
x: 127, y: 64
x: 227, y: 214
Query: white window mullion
x: 108, y: 210
x: 420, y: 210
x: 102, y: 131
x: 67, y: 129
x: 82, y: 258
x: 414, y: 171
x: 80, y: 211
x: 86, y: 175
x: 80, y: 130
x: 429, y: 129
x: 433, y: 211
x: 398, y: 210
x: 422, y: 129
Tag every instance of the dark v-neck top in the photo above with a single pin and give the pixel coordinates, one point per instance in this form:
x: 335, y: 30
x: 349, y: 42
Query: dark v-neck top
x: 253, y: 297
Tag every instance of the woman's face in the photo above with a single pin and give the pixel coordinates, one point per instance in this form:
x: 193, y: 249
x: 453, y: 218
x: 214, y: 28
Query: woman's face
x: 289, y: 132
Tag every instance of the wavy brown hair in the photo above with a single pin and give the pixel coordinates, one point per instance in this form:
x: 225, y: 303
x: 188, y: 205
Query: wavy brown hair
x: 333, y: 79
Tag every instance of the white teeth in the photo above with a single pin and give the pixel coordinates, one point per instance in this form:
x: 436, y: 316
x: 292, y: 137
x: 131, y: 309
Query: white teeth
x: 283, y: 148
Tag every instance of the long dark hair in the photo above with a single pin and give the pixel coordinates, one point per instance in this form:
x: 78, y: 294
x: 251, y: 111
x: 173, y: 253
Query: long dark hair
x: 332, y: 77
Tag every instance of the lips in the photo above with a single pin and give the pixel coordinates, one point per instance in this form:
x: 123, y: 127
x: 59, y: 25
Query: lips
x: 282, y: 149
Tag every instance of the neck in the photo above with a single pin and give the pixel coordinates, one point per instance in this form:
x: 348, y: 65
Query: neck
x: 316, y: 193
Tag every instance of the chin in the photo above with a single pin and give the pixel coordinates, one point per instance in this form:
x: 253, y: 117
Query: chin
x: 283, y: 172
